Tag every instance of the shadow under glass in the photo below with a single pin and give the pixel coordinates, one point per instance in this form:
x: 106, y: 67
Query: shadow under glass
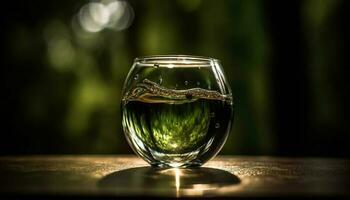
x: 170, y: 181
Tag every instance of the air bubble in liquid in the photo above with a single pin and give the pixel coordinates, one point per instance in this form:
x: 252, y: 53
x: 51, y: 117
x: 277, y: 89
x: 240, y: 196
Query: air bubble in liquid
x: 212, y: 115
x: 186, y: 82
x: 217, y: 125
x: 198, y: 83
x: 156, y: 65
x: 136, y: 77
x: 160, y: 80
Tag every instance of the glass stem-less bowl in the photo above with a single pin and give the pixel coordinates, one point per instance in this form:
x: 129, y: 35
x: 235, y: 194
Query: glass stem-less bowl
x: 176, y: 110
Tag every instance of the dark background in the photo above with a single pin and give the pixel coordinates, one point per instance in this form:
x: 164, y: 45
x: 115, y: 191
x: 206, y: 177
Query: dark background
x: 286, y: 62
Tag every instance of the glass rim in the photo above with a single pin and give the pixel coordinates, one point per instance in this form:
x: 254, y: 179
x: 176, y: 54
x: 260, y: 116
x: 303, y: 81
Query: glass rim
x: 176, y: 58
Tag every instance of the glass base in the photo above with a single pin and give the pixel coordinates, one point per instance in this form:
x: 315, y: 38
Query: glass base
x: 176, y: 165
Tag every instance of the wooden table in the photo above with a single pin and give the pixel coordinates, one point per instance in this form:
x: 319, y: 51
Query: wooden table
x: 127, y: 175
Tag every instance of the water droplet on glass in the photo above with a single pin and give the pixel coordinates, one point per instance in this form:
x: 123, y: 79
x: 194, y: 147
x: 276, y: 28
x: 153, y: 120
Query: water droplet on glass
x: 217, y: 125
x: 186, y: 82
x: 156, y: 65
x: 136, y: 77
x: 212, y: 115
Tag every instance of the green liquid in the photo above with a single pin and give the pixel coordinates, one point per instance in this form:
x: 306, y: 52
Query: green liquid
x: 176, y: 127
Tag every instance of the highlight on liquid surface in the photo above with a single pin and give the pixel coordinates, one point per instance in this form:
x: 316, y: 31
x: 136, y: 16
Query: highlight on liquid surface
x: 175, y: 127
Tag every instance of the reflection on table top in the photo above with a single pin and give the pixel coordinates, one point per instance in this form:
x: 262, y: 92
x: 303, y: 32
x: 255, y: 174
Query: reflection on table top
x: 127, y: 175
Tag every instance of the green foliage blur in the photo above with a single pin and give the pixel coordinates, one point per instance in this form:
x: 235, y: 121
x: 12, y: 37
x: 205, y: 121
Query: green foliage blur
x: 63, y: 83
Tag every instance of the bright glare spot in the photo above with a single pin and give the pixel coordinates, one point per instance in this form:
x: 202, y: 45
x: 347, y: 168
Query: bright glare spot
x: 204, y: 186
x: 184, y: 61
x: 117, y: 10
x: 112, y: 14
x: 91, y: 17
x: 177, y: 181
x: 99, y: 13
x: 170, y: 66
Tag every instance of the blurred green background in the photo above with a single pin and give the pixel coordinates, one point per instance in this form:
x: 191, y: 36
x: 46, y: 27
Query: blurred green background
x: 64, y: 63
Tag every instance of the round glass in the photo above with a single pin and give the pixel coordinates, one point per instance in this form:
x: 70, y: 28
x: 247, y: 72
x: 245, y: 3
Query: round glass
x: 177, y: 110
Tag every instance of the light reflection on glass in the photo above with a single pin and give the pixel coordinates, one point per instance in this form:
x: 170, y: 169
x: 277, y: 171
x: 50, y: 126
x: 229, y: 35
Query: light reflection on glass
x: 170, y: 66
